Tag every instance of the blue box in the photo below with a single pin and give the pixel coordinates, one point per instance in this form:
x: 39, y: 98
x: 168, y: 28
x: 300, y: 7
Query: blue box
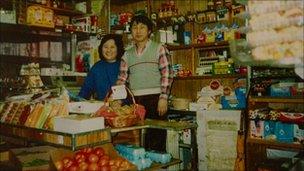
x: 235, y: 102
x: 187, y: 37
x: 269, y: 129
x: 284, y: 132
x: 278, y: 90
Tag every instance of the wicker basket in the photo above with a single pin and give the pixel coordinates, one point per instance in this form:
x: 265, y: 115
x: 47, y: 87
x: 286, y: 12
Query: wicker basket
x: 114, y: 116
x: 180, y: 103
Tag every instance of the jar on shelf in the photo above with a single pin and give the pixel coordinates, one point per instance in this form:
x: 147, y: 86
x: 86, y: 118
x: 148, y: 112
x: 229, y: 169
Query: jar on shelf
x: 160, y: 13
x: 169, y: 12
x: 172, y: 3
x: 175, y: 12
x: 210, y: 5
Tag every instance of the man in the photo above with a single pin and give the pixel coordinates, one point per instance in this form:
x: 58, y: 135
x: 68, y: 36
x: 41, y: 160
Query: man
x: 146, y: 66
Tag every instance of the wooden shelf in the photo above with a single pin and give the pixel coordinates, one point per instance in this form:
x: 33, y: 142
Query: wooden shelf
x: 159, y: 166
x: 118, y: 27
x: 120, y: 2
x: 184, y: 112
x: 275, y: 144
x: 202, y: 46
x: 28, y: 33
x: 276, y: 99
x: 26, y: 59
x: 194, y: 77
x: 60, y: 11
x: 55, y: 138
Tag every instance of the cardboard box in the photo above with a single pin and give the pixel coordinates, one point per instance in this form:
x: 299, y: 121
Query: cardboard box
x: 4, y: 156
x: 8, y: 161
x: 33, y: 158
x: 8, y: 16
x: 78, y: 123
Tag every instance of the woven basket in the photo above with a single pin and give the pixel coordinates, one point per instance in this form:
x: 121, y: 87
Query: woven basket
x: 114, y: 116
x: 180, y: 103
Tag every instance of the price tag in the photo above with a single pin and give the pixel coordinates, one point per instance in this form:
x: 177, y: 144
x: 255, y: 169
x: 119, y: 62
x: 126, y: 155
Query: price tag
x: 119, y: 92
x: 60, y: 139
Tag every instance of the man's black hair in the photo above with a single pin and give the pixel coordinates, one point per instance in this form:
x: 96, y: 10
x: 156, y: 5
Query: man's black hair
x: 144, y: 20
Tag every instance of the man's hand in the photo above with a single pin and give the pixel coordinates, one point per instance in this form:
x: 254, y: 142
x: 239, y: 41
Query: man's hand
x: 162, y: 106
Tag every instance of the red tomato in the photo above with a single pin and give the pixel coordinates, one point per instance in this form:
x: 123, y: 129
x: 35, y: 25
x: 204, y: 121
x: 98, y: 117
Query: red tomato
x: 87, y: 150
x: 93, y: 158
x: 125, y: 165
x: 117, y: 162
x: 103, y: 161
x: 83, y: 166
x: 80, y: 160
x: 99, y: 151
x: 80, y: 157
x: 111, y: 162
x: 93, y: 167
x: 114, y: 168
x: 73, y: 167
x: 59, y: 165
x: 67, y: 162
x: 105, y: 157
x: 105, y: 168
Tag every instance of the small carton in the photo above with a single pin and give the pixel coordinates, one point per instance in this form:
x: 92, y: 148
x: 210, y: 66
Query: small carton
x: 8, y: 161
x: 33, y: 158
x: 78, y: 123
x: 4, y: 156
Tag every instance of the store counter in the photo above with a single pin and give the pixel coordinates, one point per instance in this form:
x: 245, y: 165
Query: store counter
x: 172, y: 143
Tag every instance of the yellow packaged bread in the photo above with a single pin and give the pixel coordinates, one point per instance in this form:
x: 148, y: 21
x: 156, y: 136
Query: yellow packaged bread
x: 39, y: 16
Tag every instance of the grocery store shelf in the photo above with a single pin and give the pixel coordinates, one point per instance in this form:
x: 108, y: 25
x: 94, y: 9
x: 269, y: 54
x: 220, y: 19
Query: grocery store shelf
x: 55, y: 138
x: 276, y: 99
x: 275, y: 144
x: 159, y: 166
x: 26, y: 59
x: 203, y: 46
x: 211, y: 76
x: 27, y: 33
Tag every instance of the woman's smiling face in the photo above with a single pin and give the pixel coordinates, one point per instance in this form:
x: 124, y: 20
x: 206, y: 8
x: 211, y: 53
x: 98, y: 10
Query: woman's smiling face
x: 109, y: 50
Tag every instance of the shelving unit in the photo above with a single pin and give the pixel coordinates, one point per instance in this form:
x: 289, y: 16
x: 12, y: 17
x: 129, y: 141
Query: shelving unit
x: 202, y: 46
x: 276, y: 99
x: 275, y: 144
x: 209, y: 76
x: 258, y: 146
x: 37, y: 40
x: 60, y: 11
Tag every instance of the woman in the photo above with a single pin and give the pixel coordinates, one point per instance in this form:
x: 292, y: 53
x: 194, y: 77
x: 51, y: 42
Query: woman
x: 104, y: 73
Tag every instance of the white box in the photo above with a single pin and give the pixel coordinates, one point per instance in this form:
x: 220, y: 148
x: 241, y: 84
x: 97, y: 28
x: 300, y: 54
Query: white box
x: 86, y: 107
x: 78, y: 123
x: 162, y: 36
x: 8, y: 16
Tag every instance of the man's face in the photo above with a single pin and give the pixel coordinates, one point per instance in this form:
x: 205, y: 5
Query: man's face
x: 140, y: 32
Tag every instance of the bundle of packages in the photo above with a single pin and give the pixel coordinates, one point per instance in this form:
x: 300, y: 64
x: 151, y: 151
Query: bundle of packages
x: 276, y: 31
x: 37, y: 111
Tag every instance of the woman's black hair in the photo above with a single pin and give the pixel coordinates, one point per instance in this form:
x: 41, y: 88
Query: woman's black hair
x: 118, y: 42
x: 144, y: 20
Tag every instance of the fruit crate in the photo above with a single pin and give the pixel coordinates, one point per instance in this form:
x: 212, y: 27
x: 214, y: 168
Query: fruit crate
x: 60, y: 139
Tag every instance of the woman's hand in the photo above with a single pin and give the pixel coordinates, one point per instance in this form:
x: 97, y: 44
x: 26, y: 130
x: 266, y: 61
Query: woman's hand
x: 162, y: 106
